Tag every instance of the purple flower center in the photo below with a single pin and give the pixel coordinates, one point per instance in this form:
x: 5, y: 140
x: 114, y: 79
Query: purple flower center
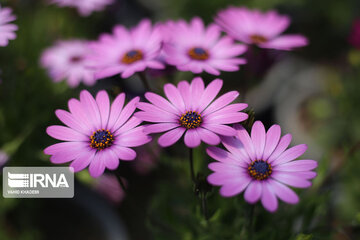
x: 198, y: 53
x: 258, y: 39
x: 101, y: 139
x: 132, y: 56
x: 260, y: 169
x: 190, y: 119
x: 76, y: 59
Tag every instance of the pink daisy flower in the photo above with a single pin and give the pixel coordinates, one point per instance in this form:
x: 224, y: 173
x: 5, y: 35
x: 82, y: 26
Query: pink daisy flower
x: 191, y: 109
x: 7, y: 31
x: 66, y: 60
x: 196, y: 48
x: 126, y: 52
x: 84, y: 7
x: 96, y: 134
x: 262, y: 29
x: 261, y: 165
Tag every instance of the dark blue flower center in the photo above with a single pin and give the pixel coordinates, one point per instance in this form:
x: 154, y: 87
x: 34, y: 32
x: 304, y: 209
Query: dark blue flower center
x: 132, y: 56
x: 101, y: 139
x: 260, y: 169
x: 190, y: 119
x: 198, y: 53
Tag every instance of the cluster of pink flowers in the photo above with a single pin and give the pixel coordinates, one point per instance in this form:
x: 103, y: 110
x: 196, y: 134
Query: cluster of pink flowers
x: 189, y: 46
x: 98, y: 134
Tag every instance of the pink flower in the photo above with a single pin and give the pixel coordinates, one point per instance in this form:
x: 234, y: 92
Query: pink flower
x: 260, y: 165
x: 191, y: 109
x: 97, y: 134
x: 7, y: 31
x: 262, y: 29
x: 66, y: 60
x: 354, y: 38
x: 109, y: 186
x: 126, y: 52
x: 84, y: 7
x: 192, y: 47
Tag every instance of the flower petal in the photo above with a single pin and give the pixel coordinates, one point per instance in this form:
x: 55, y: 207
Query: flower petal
x: 192, y: 138
x: 171, y: 137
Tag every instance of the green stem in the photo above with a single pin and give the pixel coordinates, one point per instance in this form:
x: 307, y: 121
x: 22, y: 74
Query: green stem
x: 204, y: 206
x: 191, y: 161
x: 121, y: 182
x: 143, y: 78
x: 251, y: 221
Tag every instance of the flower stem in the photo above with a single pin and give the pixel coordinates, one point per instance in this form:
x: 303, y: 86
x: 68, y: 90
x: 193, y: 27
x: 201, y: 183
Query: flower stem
x: 191, y: 161
x: 251, y: 221
x: 143, y: 78
x: 204, y: 206
x: 121, y: 182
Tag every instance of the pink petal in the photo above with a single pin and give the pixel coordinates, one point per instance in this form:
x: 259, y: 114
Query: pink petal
x: 296, y: 166
x: 159, y: 127
x: 125, y: 114
x: 222, y: 101
x: 69, y: 120
x: 111, y: 159
x: 192, y: 138
x: 90, y: 108
x: 65, y: 133
x: 223, y: 156
x: 280, y: 148
x: 226, y: 118
x: 291, y: 179
x: 133, y: 138
x: 290, y: 154
x: 209, y: 94
x: 197, y: 88
x: 258, y: 135
x: 82, y: 161
x: 103, y: 102
x: 268, y: 198
x: 173, y: 94
x: 115, y: 111
x: 233, y: 188
x: 253, y: 192
x: 171, y: 137
x: 124, y: 153
x: 161, y: 102
x: 208, y: 136
x: 283, y: 192
x: 244, y: 137
x: 220, y: 129
x: 272, y: 140
x: 97, y: 166
x: 286, y: 42
x: 236, y: 147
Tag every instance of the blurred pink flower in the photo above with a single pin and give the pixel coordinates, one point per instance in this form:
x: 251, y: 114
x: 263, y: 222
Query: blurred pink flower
x: 3, y: 158
x: 262, y: 29
x: 147, y: 158
x: 108, y: 186
x: 126, y: 51
x: 7, y: 31
x: 354, y: 38
x: 97, y: 134
x: 66, y: 61
x: 84, y: 7
x: 261, y: 165
x: 196, y: 48
x: 191, y: 109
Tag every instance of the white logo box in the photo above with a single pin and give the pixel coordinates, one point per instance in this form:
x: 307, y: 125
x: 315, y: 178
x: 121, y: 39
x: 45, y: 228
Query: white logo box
x: 38, y: 182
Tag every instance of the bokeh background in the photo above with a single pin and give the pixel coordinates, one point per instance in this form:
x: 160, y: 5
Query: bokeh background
x: 312, y: 92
